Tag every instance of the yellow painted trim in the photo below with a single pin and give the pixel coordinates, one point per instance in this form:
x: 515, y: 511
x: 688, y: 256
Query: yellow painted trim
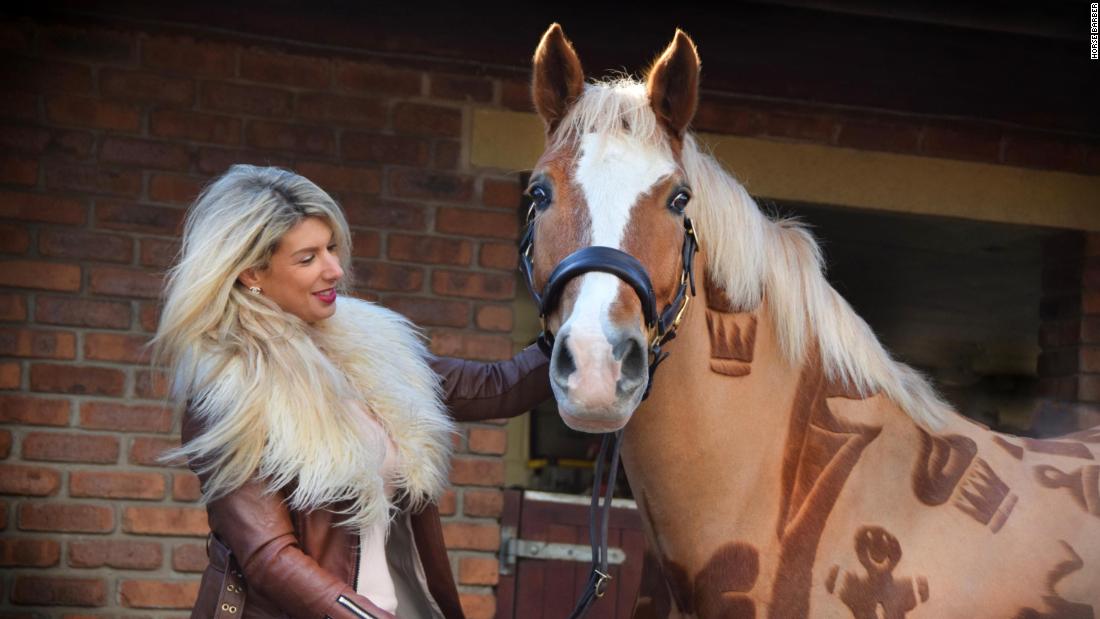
x: 821, y: 174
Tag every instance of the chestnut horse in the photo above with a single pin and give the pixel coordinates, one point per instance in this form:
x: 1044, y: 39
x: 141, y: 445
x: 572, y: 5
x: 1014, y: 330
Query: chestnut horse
x: 784, y: 464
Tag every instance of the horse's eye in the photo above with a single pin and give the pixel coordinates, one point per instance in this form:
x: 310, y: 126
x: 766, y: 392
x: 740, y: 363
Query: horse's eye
x: 680, y: 201
x: 540, y: 197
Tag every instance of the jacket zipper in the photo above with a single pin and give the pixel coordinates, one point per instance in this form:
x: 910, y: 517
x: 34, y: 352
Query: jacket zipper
x: 358, y: 560
x: 355, y: 608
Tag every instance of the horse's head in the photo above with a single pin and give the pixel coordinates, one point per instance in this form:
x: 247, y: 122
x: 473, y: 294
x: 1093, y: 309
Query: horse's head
x: 611, y: 177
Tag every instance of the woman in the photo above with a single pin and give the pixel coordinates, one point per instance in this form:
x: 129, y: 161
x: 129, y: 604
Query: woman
x: 319, y: 425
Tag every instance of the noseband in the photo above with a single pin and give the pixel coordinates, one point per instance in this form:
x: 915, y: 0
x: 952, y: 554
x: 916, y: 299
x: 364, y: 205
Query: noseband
x: 660, y: 328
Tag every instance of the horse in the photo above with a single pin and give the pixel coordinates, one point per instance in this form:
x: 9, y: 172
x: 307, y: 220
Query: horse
x: 784, y: 464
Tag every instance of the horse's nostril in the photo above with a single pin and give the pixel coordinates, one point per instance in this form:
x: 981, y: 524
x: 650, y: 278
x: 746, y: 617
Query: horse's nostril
x: 564, y: 364
x: 632, y: 355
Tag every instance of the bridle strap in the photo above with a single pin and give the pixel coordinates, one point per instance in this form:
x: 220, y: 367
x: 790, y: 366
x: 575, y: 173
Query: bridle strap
x: 599, y: 517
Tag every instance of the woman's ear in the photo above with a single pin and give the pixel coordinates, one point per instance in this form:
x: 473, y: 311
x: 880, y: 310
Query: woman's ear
x: 248, y: 278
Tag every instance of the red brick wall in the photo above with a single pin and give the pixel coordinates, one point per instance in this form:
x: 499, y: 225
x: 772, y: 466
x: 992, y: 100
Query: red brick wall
x: 108, y: 134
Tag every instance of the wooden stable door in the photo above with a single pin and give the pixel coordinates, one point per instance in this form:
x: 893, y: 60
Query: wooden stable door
x: 538, y: 524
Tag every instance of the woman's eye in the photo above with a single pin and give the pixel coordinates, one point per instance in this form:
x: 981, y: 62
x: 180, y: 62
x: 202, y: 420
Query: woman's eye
x: 307, y: 259
x: 680, y: 201
x: 540, y: 197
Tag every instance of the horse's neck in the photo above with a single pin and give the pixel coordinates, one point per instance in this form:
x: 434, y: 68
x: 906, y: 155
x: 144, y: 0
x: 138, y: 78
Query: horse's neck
x: 726, y: 431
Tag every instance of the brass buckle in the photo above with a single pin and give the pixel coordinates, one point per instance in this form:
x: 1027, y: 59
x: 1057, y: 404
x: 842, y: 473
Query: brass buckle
x: 601, y: 584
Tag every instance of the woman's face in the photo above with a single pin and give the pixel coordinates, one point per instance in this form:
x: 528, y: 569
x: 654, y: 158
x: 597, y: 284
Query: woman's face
x: 303, y: 272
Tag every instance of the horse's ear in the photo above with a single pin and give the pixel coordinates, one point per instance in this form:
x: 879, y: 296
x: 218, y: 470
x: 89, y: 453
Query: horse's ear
x: 673, y: 83
x: 557, y: 78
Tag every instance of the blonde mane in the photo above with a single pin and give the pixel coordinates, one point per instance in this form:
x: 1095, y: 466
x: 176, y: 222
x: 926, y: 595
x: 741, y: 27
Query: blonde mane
x: 750, y: 257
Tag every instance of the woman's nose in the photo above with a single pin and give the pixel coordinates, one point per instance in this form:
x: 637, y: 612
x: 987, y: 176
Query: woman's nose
x: 333, y: 270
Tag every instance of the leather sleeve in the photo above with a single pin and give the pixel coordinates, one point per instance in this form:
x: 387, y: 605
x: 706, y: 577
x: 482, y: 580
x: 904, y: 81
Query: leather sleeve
x: 474, y: 391
x: 256, y: 526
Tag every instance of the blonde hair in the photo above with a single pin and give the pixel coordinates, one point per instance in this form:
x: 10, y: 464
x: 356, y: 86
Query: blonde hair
x: 280, y: 399
x: 751, y: 257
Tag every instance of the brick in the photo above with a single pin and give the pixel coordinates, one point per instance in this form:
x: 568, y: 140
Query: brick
x: 501, y: 194
x: 5, y: 446
x: 66, y: 517
x: 58, y: 447
x: 125, y: 418
x: 94, y: 113
x: 429, y: 249
x: 366, y: 244
x: 473, y: 222
x: 879, y: 135
x: 1090, y: 330
x: 30, y: 410
x: 1090, y: 302
x: 1034, y: 150
x: 1088, y: 389
x: 14, y: 239
x: 478, y: 571
x: 93, y: 179
x: 376, y: 79
x: 48, y: 76
x: 431, y: 312
x: 487, y: 441
x: 186, y: 487
x: 149, y: 316
x: 429, y: 120
x: 94, y: 44
x: 384, y: 149
x: 468, y: 536
x: 13, y: 307
x: 122, y: 348
x: 159, y: 253
x: 337, y: 178
x: 83, y: 245
x: 807, y: 127
x: 175, y: 188
x: 430, y: 185
x: 391, y: 215
x: 59, y: 143
x: 482, y: 503
x: 186, y: 56
x: 447, y: 504
x: 77, y: 380
x: 494, y: 318
x: 146, y: 87
x: 447, y: 154
x: 117, y: 554
x: 23, y: 552
x: 59, y: 591
x: 189, y: 558
x: 40, y: 275
x: 21, y: 138
x: 117, y: 485
x: 491, y: 286
x: 962, y: 142
x: 294, y: 138
x: 477, y: 472
x: 383, y: 276
x: 139, y: 217
x: 28, y: 480
x: 19, y: 106
x: 145, y: 153
x: 81, y: 312
x: 503, y: 256
x: 341, y: 110
x: 478, y: 605
x: 11, y: 375
x: 261, y: 65
x: 461, y: 88
x: 17, y: 170
x: 42, y: 208
x: 147, y: 451
x: 215, y: 161
x: 150, y: 385
x: 247, y: 99
x: 182, y: 521
x: 37, y: 343
x: 471, y: 346
x: 195, y: 126
x: 723, y: 117
x: 516, y: 95
x: 118, y: 281
x: 70, y: 145
x: 158, y: 593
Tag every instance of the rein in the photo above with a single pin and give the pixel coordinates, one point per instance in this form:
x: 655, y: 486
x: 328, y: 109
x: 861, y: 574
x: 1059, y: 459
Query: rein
x: 661, y: 329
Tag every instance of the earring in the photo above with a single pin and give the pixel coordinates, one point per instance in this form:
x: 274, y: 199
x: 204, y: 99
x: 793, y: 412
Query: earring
x: 256, y: 290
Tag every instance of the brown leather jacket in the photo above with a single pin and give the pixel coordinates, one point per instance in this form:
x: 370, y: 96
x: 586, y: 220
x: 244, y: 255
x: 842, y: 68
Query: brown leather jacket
x: 295, y: 564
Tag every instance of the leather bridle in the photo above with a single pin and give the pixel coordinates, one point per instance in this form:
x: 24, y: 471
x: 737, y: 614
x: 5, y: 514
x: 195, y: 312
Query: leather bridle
x: 660, y: 328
